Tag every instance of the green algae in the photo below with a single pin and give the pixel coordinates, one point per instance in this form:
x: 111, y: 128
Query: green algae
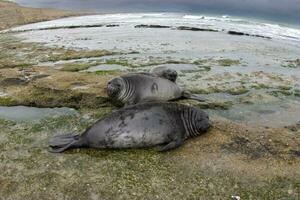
x: 228, y: 62
x: 237, y: 91
x: 211, y: 90
x: 292, y: 63
x: 284, y: 87
x: 6, y: 123
x: 16, y: 53
x: 117, y: 62
x: 69, y: 54
x: 75, y: 67
x: 46, y: 97
x: 279, y: 93
x: 7, y: 101
x: 213, y: 105
x: 261, y: 86
x: 106, y: 72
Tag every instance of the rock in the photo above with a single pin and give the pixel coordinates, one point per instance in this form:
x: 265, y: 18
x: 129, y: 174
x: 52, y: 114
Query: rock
x: 150, y: 26
x: 3, y: 94
x: 186, y: 28
x: 13, y: 81
x: 247, y: 34
x: 235, y: 197
x: 292, y: 63
x: 112, y: 25
x: 294, y: 127
x: 237, y: 33
x: 38, y: 76
x: 256, y: 97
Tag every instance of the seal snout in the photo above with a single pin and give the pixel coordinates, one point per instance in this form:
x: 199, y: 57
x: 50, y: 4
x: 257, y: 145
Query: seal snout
x: 110, y: 89
x: 171, y: 75
x: 202, y: 122
x: 113, y: 87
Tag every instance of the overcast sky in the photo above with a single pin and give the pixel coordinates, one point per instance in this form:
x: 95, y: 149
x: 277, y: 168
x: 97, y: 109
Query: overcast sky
x: 285, y: 10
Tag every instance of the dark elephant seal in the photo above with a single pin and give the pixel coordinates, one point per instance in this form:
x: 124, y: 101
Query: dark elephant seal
x: 165, y: 72
x: 135, y: 88
x: 137, y: 126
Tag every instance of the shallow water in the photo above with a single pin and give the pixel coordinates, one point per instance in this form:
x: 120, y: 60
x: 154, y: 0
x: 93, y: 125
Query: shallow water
x: 178, y: 19
x: 181, y: 68
x: 24, y: 113
x: 275, y: 114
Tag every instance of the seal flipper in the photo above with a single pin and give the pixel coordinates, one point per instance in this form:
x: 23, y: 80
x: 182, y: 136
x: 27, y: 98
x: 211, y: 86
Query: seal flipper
x: 171, y: 145
x: 188, y: 95
x: 61, y: 143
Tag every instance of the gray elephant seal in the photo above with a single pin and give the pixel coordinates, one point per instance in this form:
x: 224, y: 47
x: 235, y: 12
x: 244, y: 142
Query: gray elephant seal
x: 135, y: 88
x: 137, y: 126
x: 162, y: 72
x: 165, y: 72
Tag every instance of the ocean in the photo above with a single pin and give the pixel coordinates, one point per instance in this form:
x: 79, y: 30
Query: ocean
x: 279, y: 13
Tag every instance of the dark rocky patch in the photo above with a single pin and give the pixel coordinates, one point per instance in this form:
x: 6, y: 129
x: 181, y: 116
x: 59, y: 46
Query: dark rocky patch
x: 47, y: 97
x: 295, y: 153
x: 292, y: 63
x: 61, y: 27
x: 78, y: 26
x: 237, y: 33
x: 187, y: 28
x: 294, y: 128
x: 39, y: 76
x: 112, y: 25
x: 13, y: 81
x: 247, y: 34
x: 252, y: 149
x: 150, y: 26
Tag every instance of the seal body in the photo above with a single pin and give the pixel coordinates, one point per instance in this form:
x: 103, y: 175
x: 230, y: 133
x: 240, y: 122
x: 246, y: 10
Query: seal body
x: 141, y: 125
x: 135, y: 88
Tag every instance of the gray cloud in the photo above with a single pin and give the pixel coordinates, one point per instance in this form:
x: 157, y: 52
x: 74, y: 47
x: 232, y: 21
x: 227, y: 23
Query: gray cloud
x: 288, y: 10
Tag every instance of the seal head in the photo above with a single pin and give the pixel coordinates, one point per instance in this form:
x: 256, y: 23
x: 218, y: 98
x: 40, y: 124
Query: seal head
x: 114, y: 87
x: 165, y: 72
x: 170, y: 74
x: 195, y: 121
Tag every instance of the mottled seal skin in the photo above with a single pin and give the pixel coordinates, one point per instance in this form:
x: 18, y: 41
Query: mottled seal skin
x: 135, y: 88
x: 165, y: 72
x: 137, y: 126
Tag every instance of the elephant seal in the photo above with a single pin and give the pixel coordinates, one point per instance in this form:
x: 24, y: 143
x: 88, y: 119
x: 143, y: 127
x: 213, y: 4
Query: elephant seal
x: 137, y: 126
x: 135, y: 88
x: 162, y: 72
x: 165, y: 72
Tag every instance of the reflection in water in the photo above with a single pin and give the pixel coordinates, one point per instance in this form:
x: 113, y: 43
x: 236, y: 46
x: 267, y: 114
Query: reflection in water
x: 23, y: 113
x: 275, y: 114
